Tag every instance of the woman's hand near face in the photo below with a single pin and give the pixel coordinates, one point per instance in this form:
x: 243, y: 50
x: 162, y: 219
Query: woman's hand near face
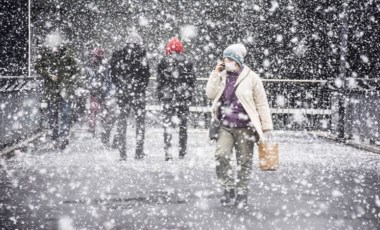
x: 219, y: 66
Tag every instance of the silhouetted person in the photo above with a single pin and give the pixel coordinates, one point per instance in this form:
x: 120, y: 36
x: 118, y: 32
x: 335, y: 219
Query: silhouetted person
x: 96, y: 82
x: 130, y: 74
x: 60, y: 71
x: 175, y: 88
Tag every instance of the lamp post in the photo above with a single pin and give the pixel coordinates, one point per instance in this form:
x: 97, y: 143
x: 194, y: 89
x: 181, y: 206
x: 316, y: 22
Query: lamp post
x: 342, y: 101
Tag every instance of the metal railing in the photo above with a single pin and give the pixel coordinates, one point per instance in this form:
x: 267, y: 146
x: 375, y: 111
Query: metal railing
x: 356, y: 112
x: 295, y: 105
x: 19, y: 108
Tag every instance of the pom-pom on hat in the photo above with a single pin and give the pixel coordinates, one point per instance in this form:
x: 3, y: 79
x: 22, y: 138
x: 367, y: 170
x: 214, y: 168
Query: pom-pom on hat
x: 174, y: 46
x: 236, y: 52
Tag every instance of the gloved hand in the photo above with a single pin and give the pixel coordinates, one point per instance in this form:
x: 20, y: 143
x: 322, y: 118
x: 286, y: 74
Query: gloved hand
x: 54, y: 77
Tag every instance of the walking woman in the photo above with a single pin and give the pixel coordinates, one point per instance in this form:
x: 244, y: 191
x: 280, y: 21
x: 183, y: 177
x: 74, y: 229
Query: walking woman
x: 240, y: 104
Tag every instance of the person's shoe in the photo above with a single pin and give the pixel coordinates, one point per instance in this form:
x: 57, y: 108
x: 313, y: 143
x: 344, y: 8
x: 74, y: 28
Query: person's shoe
x: 64, y: 144
x: 168, y: 158
x: 123, y: 156
x: 114, y: 145
x: 140, y: 156
x: 115, y: 142
x: 182, y: 155
x: 227, y: 196
x: 241, y: 201
x: 168, y: 155
x: 91, y: 130
x: 139, y: 153
x: 105, y: 139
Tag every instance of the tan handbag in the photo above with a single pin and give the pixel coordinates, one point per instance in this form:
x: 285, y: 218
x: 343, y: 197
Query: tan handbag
x: 268, y: 156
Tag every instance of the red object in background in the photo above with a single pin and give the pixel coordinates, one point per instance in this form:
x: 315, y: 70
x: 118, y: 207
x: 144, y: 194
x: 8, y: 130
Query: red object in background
x: 98, y: 52
x: 174, y: 46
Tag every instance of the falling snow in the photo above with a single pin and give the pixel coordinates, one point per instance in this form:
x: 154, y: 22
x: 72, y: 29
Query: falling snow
x: 319, y: 63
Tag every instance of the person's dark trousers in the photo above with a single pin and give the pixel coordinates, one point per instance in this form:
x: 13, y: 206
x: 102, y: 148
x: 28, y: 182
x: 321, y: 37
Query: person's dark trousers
x: 59, y: 115
x: 106, y: 132
x: 109, y: 118
x: 138, y: 107
x: 81, y: 105
x: 183, y: 115
x: 65, y: 122
x: 169, y: 112
x: 121, y: 132
x: 139, y: 113
x: 53, y: 118
x: 79, y: 109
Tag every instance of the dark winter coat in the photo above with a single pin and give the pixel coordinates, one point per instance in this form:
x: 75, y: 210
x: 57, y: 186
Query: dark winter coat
x: 61, y: 64
x: 130, y: 72
x: 176, y: 79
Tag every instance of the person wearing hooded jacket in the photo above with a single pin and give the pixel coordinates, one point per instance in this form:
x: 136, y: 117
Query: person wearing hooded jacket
x: 130, y: 74
x: 59, y: 70
x: 241, y: 106
x: 175, y: 89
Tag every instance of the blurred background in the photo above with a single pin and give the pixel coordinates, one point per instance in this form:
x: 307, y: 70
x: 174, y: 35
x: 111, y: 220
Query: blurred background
x: 319, y: 59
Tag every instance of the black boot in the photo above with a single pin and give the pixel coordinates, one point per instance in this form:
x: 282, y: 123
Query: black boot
x: 123, y: 156
x: 168, y: 157
x: 139, y: 154
x: 105, y: 139
x: 114, y: 144
x: 241, y: 201
x: 116, y: 141
x: 64, y: 144
x: 168, y: 154
x: 92, y: 131
x: 182, y: 154
x: 227, y: 196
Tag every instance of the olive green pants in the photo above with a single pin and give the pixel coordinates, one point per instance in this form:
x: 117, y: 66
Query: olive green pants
x: 242, y: 140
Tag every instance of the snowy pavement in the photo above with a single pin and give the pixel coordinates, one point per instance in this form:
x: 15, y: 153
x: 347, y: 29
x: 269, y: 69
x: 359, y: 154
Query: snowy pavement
x: 320, y: 185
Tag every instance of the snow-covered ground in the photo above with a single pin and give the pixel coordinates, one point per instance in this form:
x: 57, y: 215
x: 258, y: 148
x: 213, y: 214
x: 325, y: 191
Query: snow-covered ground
x: 320, y: 185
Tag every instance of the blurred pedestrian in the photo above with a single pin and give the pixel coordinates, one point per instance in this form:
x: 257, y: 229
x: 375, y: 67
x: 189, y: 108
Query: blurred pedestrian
x: 130, y: 74
x: 95, y: 83
x: 110, y: 109
x: 240, y: 104
x: 59, y: 69
x: 175, y: 89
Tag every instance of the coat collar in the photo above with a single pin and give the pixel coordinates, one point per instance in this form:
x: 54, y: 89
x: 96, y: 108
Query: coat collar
x: 242, y: 75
